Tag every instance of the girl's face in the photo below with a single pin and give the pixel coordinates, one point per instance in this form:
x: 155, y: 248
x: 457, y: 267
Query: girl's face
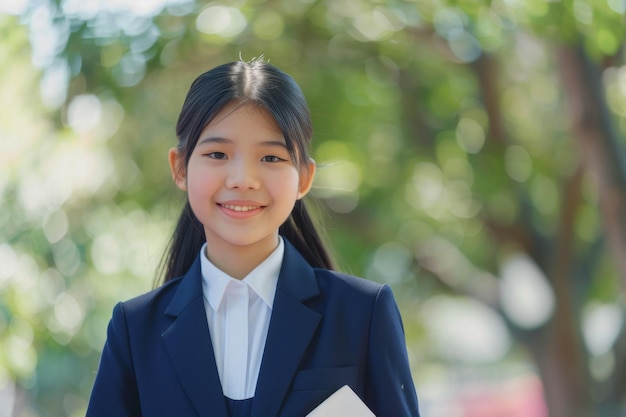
x: 242, y: 181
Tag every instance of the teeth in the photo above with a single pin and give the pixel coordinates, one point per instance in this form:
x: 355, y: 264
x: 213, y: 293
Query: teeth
x: 239, y: 208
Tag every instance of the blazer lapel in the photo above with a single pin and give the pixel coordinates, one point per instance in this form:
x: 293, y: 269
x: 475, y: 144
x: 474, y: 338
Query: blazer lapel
x: 189, y: 346
x: 291, y: 329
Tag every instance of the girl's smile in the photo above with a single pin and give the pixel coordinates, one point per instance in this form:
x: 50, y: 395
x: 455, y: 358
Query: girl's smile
x: 240, y: 207
x: 242, y: 183
x: 240, y: 210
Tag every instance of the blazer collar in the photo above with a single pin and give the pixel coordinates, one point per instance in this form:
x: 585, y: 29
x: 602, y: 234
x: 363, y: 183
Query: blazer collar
x: 291, y: 329
x: 189, y: 346
x: 296, y: 279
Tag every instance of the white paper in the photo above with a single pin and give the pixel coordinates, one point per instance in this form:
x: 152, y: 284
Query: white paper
x: 342, y: 403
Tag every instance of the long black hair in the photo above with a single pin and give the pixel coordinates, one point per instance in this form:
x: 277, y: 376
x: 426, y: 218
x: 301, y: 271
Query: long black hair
x: 259, y: 83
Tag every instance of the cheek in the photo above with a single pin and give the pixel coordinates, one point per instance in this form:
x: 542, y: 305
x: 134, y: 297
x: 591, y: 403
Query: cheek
x: 289, y: 187
x: 198, y: 181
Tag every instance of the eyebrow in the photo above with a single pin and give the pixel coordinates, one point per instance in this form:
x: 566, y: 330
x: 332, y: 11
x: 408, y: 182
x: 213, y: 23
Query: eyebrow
x: 218, y: 139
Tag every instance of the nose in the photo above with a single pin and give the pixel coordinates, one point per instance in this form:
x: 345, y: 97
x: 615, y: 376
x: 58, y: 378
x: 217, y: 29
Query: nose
x: 242, y: 174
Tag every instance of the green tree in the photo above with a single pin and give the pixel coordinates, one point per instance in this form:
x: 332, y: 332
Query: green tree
x: 469, y: 148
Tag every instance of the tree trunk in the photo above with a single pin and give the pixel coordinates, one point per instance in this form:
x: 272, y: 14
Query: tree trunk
x: 557, y: 349
x: 599, y: 148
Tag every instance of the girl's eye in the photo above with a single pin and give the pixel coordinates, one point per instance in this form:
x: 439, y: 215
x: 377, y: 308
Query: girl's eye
x: 217, y: 155
x: 272, y: 158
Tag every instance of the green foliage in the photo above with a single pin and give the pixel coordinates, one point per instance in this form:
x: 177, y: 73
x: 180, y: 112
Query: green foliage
x: 405, y: 140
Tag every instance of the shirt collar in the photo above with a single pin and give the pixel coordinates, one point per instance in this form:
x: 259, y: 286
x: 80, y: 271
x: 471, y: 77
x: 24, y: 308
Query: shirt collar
x: 262, y: 279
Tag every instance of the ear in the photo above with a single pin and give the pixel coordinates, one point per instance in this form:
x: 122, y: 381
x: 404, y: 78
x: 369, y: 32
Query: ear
x: 307, y: 174
x: 179, y: 171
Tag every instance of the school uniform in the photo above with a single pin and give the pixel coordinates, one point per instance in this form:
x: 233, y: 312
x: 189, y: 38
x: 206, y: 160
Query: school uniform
x: 326, y: 330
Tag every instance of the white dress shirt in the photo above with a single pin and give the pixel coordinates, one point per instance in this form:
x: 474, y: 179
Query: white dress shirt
x: 238, y: 313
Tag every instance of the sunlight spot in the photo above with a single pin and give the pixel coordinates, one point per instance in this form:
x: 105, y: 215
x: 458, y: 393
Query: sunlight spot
x: 130, y: 70
x: 21, y: 354
x: 13, y: 7
x: 390, y: 263
x: 618, y: 6
x: 106, y: 254
x: 448, y: 20
x: 337, y: 177
x: 460, y: 201
x: 51, y: 285
x: 144, y: 41
x: 224, y: 21
x: 113, y: 114
x: 373, y: 25
x: 68, y: 313
x: 48, y: 36
x: 527, y: 298
x: 26, y: 273
x: 88, y: 9
x: 427, y: 185
x: 82, y: 9
x: 518, y: 163
x: 8, y: 260
x: 8, y: 394
x: 84, y: 113
x: 180, y: 7
x: 470, y: 135
x: 36, y: 195
x: 144, y: 7
x: 583, y: 12
x: 337, y: 181
x: 53, y: 84
x: 66, y: 256
x: 55, y: 226
x: 601, y: 325
x: 337, y: 184
x: 85, y: 170
x: 19, y: 349
x: 464, y: 45
x: 466, y: 330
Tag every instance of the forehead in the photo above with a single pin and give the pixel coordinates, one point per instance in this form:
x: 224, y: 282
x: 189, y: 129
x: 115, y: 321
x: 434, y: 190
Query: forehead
x: 244, y: 117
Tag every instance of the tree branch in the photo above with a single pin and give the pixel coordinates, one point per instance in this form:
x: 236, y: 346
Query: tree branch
x: 446, y: 262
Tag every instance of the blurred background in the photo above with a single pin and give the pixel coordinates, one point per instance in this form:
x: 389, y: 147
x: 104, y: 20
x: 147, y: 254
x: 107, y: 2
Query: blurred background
x: 471, y: 153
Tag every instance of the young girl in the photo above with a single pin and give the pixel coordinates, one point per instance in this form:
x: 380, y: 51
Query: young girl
x: 250, y: 319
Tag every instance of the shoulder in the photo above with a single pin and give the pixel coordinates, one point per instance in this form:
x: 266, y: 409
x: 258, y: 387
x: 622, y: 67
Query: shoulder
x: 140, y: 317
x: 354, y: 288
x: 155, y: 300
x: 349, y: 282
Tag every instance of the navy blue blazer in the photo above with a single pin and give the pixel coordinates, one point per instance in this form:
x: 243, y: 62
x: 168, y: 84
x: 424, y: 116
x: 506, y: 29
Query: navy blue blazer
x: 326, y: 330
